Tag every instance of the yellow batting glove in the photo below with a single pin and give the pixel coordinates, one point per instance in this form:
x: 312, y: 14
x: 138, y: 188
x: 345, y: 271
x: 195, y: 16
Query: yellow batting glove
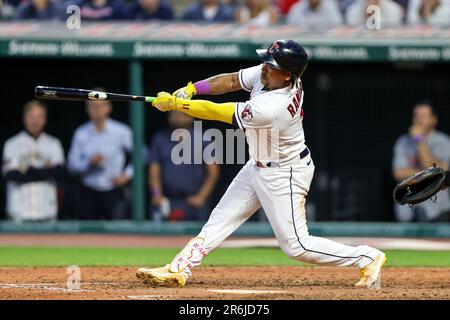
x: 165, y: 102
x: 186, y: 92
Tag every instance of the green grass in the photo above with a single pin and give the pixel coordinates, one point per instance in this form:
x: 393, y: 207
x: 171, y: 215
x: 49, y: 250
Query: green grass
x: 45, y: 256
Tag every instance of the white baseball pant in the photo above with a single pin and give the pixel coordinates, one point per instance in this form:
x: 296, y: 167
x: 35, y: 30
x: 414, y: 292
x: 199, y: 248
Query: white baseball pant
x: 281, y: 191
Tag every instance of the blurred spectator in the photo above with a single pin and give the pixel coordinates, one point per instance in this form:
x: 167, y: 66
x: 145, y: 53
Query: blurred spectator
x: 285, y: 5
x: 39, y: 10
x: 7, y: 10
x: 100, y: 153
x: 391, y: 13
x: 431, y: 12
x: 179, y: 191
x: 13, y: 3
x: 208, y: 10
x: 422, y: 147
x: 257, y: 12
x: 234, y: 4
x: 344, y: 4
x: 150, y: 10
x: 315, y: 14
x: 403, y: 3
x: 101, y: 9
x: 32, y: 160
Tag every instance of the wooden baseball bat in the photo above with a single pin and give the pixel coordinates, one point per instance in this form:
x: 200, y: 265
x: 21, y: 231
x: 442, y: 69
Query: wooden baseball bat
x: 59, y: 93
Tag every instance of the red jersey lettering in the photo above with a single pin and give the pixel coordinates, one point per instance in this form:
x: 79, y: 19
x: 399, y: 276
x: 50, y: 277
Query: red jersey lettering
x: 295, y: 105
x: 291, y: 110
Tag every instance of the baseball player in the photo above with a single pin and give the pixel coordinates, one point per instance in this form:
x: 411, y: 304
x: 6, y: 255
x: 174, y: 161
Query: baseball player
x: 277, y: 180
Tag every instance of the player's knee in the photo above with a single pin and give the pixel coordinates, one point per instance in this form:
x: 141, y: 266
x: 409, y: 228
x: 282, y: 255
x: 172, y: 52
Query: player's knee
x: 292, y: 250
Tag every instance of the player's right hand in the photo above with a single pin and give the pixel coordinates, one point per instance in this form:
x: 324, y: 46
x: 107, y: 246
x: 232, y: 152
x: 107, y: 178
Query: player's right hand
x: 186, y: 92
x: 165, y: 102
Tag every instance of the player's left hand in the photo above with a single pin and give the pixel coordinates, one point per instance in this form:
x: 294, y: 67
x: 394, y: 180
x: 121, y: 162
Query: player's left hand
x: 165, y: 102
x: 186, y: 92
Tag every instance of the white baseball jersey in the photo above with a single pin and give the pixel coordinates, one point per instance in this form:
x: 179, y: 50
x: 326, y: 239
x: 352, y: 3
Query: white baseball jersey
x: 32, y: 200
x: 280, y: 190
x: 272, y: 119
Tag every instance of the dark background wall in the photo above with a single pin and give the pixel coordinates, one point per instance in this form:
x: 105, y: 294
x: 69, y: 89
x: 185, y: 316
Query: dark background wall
x: 353, y: 115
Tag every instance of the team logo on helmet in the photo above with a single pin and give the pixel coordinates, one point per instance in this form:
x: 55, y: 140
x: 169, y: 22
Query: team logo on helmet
x: 274, y: 46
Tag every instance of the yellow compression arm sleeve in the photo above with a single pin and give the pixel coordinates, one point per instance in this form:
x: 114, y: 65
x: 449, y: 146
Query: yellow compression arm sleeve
x: 207, y: 110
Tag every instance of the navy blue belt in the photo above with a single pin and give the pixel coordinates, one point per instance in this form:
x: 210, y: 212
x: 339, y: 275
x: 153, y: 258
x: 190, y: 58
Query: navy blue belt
x: 303, y: 155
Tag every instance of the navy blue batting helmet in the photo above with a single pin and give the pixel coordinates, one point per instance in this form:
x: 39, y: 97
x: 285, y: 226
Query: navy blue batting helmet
x: 285, y: 55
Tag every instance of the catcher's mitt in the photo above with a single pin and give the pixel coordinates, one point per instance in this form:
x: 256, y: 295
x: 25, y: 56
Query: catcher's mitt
x: 421, y: 186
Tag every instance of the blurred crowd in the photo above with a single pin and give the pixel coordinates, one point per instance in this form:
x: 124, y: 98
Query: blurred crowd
x: 96, y: 175
x: 99, y: 166
x: 100, y: 156
x: 307, y: 14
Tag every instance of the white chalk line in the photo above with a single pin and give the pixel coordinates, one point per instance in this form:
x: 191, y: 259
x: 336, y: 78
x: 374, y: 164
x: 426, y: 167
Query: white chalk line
x: 146, y: 297
x: 40, y: 287
x: 56, y: 283
x: 53, y: 286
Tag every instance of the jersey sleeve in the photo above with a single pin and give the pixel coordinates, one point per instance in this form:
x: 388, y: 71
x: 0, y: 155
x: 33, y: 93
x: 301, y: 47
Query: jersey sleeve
x: 249, y: 77
x: 253, y: 114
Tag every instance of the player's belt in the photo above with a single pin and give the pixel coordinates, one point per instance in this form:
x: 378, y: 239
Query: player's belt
x: 304, y: 153
x: 260, y: 164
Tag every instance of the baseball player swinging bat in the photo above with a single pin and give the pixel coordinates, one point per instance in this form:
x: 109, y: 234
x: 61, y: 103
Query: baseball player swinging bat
x: 58, y: 93
x: 279, y: 182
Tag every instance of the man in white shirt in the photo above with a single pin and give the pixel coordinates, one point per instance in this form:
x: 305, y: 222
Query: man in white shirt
x: 32, y: 160
x: 100, y: 154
